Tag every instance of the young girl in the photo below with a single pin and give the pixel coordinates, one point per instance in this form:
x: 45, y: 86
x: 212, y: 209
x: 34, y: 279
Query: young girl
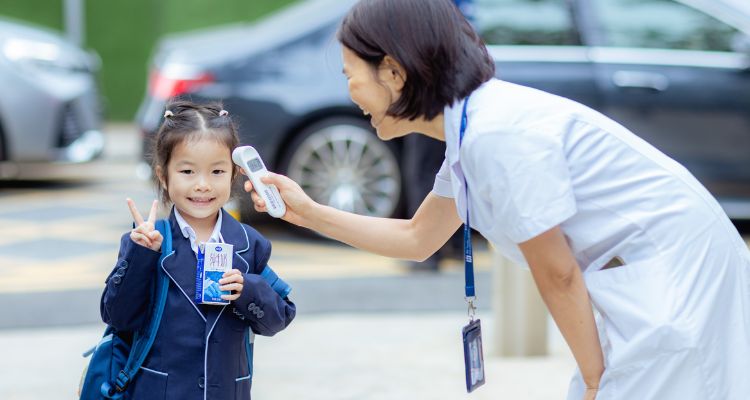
x: 199, y: 350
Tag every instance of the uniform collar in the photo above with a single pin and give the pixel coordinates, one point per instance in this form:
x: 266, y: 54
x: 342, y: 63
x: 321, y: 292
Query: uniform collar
x: 189, y: 233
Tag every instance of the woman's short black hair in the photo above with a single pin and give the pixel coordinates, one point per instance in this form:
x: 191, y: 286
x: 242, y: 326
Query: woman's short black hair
x: 444, y: 58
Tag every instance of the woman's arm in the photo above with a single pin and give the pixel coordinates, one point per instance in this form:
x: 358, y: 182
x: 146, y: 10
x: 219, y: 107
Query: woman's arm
x: 414, y: 239
x: 561, y: 285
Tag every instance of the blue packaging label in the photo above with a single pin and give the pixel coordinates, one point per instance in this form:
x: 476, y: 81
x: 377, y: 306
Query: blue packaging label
x: 214, y: 259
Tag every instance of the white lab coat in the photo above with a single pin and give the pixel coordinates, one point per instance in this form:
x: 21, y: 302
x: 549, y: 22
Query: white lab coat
x: 674, y: 321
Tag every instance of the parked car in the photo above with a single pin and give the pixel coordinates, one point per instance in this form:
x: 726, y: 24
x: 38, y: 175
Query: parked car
x: 675, y: 72
x: 50, y: 109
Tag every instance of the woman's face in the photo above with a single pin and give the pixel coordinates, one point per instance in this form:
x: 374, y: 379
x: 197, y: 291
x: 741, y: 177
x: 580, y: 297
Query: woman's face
x: 374, y: 90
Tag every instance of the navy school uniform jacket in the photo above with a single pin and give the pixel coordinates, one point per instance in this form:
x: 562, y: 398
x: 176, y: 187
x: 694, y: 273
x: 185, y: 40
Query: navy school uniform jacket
x: 199, y: 350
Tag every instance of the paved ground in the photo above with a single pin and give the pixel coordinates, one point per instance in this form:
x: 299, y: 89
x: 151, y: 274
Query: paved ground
x: 367, y: 329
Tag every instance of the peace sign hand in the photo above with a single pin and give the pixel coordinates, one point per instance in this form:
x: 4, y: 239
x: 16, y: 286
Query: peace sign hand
x: 145, y: 233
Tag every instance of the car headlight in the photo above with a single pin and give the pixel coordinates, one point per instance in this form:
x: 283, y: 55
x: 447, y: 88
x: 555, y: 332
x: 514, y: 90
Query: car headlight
x: 42, y: 54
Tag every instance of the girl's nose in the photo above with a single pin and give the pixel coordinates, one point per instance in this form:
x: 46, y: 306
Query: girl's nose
x: 202, y: 184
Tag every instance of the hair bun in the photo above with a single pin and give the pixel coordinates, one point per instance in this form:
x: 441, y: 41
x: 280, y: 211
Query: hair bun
x: 168, y: 114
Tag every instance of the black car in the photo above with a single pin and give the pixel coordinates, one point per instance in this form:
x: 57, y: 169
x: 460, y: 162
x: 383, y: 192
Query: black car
x: 676, y: 73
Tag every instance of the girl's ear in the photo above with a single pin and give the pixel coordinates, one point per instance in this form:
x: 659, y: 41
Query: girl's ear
x: 392, y: 73
x: 162, y: 179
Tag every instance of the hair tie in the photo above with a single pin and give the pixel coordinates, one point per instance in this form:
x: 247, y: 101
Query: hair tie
x: 168, y: 114
x: 223, y: 113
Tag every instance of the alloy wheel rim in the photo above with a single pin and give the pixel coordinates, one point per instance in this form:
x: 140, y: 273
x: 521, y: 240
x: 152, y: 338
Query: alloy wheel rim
x: 348, y: 168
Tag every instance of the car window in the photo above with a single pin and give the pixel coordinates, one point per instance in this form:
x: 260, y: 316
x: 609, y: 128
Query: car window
x: 525, y: 22
x: 663, y: 24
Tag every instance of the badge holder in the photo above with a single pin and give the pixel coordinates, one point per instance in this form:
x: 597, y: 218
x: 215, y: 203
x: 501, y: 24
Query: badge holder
x: 473, y: 349
x: 472, y: 333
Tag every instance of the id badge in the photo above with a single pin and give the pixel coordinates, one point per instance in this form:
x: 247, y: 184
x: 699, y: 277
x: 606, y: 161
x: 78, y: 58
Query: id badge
x: 473, y: 359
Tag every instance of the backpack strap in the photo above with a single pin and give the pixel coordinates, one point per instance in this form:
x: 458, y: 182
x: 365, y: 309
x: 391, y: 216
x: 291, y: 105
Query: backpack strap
x: 282, y: 289
x: 277, y: 284
x: 143, y: 341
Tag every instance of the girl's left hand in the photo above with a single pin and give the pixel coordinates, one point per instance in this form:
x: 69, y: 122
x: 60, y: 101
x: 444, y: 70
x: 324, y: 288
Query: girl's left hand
x: 232, y: 281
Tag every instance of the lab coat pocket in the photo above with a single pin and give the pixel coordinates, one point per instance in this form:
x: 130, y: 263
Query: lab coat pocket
x: 639, y: 305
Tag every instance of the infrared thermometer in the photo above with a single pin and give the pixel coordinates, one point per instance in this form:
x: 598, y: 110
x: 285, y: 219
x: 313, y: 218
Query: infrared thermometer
x: 249, y: 160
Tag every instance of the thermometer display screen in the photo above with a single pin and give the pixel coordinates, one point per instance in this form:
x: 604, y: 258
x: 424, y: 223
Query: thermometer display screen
x: 255, y: 165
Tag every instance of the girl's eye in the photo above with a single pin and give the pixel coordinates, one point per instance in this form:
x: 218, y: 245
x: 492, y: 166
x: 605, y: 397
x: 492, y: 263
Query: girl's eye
x: 186, y: 171
x: 218, y: 171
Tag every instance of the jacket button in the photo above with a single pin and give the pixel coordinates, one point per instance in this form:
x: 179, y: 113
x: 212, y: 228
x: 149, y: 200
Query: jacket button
x: 251, y: 307
x: 123, y: 264
x: 121, y: 271
x: 260, y: 314
x: 116, y: 279
x: 201, y: 382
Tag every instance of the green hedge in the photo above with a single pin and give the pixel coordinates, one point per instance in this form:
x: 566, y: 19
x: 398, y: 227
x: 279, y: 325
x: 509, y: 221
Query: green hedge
x: 124, y: 33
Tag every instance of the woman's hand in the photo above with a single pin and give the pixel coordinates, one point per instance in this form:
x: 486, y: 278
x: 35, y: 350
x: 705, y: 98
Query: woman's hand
x: 590, y: 393
x: 232, y: 281
x: 145, y: 233
x: 298, y: 204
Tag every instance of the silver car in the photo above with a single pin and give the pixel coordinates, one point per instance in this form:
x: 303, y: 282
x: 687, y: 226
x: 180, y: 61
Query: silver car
x: 50, y: 108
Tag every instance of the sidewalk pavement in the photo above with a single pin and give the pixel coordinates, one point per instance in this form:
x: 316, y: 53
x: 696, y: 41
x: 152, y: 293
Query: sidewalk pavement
x: 371, y: 356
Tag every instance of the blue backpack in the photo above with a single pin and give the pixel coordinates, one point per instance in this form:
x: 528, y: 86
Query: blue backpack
x: 115, y: 362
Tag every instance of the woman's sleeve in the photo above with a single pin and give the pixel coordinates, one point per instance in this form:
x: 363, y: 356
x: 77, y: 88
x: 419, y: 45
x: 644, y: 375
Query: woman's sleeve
x: 129, y: 287
x: 523, y: 177
x: 442, y: 186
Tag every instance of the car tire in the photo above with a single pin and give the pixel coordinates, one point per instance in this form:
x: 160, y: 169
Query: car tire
x: 340, y: 162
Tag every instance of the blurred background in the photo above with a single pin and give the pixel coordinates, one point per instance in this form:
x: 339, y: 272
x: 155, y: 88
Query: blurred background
x: 83, y: 86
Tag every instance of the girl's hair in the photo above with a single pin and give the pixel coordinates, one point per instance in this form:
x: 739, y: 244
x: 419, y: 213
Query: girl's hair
x: 444, y: 58
x: 184, y: 120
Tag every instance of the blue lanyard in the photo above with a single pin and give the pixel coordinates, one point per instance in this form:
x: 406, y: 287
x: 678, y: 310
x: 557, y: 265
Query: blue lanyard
x: 468, y: 253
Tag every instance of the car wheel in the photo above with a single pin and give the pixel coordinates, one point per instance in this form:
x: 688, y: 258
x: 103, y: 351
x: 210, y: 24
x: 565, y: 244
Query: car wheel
x: 340, y: 162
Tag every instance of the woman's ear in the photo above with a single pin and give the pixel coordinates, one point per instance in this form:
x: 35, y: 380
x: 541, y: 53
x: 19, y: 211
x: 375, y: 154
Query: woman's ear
x: 392, y: 73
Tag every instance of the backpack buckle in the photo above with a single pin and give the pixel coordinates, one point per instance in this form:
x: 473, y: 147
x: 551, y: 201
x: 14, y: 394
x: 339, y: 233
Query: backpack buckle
x: 121, y: 383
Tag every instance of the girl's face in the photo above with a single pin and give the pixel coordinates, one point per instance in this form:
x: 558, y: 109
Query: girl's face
x: 199, y: 179
x: 374, y: 91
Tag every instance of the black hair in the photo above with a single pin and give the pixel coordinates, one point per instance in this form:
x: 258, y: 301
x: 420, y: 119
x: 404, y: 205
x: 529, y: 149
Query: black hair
x: 185, y: 120
x: 444, y: 58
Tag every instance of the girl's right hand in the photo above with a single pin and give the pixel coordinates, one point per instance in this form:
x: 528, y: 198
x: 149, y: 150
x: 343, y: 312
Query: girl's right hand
x: 298, y: 204
x: 145, y: 233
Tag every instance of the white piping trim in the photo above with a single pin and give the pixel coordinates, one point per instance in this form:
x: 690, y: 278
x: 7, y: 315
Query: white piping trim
x: 179, y: 287
x: 247, y: 240
x: 244, y: 378
x: 205, y: 354
x: 155, y: 371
